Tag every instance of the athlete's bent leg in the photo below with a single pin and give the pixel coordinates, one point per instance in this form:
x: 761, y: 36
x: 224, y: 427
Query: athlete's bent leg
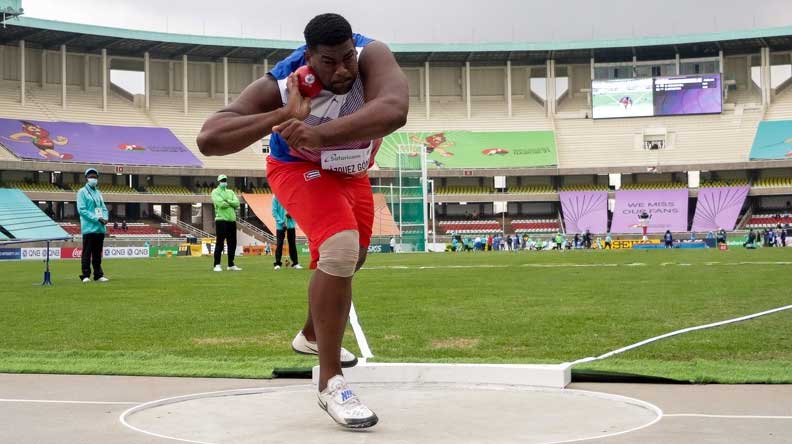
x: 330, y: 296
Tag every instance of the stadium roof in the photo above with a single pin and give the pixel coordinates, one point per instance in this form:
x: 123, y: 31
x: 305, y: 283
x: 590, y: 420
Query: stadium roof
x: 90, y: 38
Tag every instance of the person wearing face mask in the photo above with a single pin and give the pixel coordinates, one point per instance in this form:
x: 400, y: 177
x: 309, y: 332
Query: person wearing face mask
x: 226, y: 203
x: 93, y: 218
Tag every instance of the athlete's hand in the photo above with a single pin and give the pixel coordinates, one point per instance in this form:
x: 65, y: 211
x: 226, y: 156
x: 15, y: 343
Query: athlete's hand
x: 298, y: 134
x: 299, y: 107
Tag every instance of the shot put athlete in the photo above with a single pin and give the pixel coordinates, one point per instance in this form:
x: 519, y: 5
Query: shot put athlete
x: 321, y: 149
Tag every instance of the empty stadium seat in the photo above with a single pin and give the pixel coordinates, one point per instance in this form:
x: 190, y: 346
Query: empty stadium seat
x: 28, y: 186
x: 546, y: 225
x: 470, y: 226
x: 584, y: 187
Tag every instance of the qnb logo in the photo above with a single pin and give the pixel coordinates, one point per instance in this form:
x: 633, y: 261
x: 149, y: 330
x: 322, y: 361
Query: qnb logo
x: 346, y: 394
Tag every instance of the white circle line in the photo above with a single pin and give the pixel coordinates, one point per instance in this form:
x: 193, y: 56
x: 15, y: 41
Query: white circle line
x: 252, y: 391
x: 707, y: 415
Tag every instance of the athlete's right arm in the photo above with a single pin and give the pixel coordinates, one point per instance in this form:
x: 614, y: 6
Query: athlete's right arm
x: 251, y: 117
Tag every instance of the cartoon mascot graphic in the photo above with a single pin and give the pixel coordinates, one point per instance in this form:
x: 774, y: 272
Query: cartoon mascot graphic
x: 435, y: 142
x: 40, y: 138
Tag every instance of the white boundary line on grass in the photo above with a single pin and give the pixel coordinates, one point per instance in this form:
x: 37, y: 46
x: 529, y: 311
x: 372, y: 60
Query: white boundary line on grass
x: 679, y: 332
x: 365, y: 351
x: 567, y: 265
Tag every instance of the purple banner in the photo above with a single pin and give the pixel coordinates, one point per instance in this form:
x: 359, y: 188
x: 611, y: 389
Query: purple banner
x: 86, y: 143
x: 585, y: 210
x: 667, y: 210
x: 718, y: 208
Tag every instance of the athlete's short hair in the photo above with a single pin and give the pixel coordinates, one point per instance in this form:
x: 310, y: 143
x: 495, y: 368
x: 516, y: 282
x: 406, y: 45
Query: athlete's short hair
x: 327, y: 29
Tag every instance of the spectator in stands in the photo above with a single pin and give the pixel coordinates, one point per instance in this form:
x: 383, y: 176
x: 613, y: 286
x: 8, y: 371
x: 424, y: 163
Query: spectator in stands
x: 285, y: 227
x: 115, y: 225
x: 93, y: 221
x: 124, y: 226
x: 226, y: 203
x: 669, y: 239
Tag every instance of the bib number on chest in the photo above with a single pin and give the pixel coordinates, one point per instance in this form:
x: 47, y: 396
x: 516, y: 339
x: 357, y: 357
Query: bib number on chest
x: 346, y: 161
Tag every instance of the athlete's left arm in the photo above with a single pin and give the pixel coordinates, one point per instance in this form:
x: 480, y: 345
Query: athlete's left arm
x: 385, y: 110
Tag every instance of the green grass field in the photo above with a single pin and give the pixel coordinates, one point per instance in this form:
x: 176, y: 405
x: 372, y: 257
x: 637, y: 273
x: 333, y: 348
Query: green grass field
x: 176, y: 317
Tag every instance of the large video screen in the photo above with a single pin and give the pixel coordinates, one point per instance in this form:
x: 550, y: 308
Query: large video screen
x: 694, y: 94
x: 658, y: 96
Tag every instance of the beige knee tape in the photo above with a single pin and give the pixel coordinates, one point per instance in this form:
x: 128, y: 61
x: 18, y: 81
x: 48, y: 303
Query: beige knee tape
x: 338, y: 255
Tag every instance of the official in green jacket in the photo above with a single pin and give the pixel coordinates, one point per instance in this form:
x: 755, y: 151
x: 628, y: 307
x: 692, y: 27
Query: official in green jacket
x: 284, y: 227
x: 93, y: 220
x: 226, y: 204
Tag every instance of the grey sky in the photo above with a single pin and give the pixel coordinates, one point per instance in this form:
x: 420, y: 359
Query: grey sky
x: 411, y: 21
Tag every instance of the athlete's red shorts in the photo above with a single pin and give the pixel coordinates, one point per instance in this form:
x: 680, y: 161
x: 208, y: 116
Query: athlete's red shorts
x: 323, y: 203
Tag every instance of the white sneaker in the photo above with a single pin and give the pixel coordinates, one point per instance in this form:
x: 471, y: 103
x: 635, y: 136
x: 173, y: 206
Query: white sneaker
x: 217, y: 268
x: 341, y: 403
x: 297, y: 266
x: 86, y: 280
x: 103, y: 279
x: 234, y: 268
x: 305, y: 347
x: 277, y: 267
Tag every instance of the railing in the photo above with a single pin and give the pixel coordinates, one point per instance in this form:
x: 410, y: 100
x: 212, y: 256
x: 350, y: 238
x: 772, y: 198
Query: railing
x: 255, y: 231
x: 197, y: 232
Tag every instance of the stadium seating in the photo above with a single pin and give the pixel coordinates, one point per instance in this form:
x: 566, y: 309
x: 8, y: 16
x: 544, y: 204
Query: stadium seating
x: 29, y: 186
x: 531, y: 189
x: 486, y: 115
x: 105, y: 188
x: 584, y: 187
x: 463, y: 190
x: 720, y: 138
x: 471, y: 226
x: 168, y: 112
x: 654, y: 186
x: 168, y: 189
x: 71, y: 228
x: 137, y: 230
x: 724, y: 183
x: 781, y: 108
x: 82, y: 106
x: 769, y: 220
x: 773, y: 182
x: 548, y: 225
